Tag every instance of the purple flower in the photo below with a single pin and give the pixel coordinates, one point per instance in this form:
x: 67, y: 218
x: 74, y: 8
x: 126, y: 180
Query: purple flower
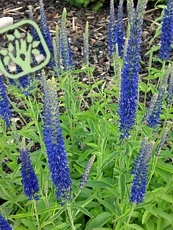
x: 45, y: 32
x: 29, y: 178
x: 154, y: 117
x: 53, y: 139
x: 167, y: 31
x: 4, y: 225
x: 140, y: 169
x: 116, y: 30
x: 120, y: 29
x: 5, y: 111
x: 130, y: 75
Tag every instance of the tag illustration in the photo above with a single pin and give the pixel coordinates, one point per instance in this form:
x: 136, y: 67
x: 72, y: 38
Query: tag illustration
x: 19, y: 50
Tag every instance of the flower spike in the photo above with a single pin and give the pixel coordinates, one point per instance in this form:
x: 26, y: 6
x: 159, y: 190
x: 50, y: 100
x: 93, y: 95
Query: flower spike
x: 53, y: 139
x: 29, y: 178
x: 140, y: 169
x: 4, y: 225
x: 167, y: 31
x: 130, y: 73
x: 5, y: 111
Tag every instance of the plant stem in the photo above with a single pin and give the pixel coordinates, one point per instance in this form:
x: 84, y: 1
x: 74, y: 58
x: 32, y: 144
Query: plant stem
x: 36, y: 214
x: 70, y: 216
x: 130, y: 214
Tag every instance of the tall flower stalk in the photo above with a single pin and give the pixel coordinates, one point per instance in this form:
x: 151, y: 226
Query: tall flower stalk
x: 45, y: 32
x: 66, y: 53
x: 57, y: 156
x: 140, y: 170
x: 130, y: 72
x: 116, y: 30
x: 5, y: 110
x: 167, y: 31
x: 29, y: 178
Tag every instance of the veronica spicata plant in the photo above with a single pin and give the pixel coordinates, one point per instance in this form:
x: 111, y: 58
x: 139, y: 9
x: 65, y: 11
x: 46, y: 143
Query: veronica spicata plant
x: 86, y: 125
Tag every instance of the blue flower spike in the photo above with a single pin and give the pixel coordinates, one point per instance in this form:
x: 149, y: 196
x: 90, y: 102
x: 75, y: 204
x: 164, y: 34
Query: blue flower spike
x: 130, y: 73
x: 29, y: 178
x: 4, y: 225
x: 140, y: 170
x: 53, y: 139
x: 166, y: 39
x: 5, y: 108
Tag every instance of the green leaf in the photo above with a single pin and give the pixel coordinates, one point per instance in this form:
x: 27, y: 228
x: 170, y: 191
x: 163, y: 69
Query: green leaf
x: 35, y: 51
x: 98, y: 184
x: 110, y: 207
x: 28, y: 223
x: 166, y: 198
x: 10, y: 47
x: 102, y: 229
x: 21, y: 215
x: 16, y: 33
x: 10, y: 37
x: 122, y: 185
x: 4, y: 52
x: 29, y: 38
x: 6, y: 60
x: 83, y: 210
x: 164, y: 215
x: 165, y: 167
x: 99, y: 221
x: 35, y: 44
x: 109, y: 159
x: 146, y: 216
x: 134, y: 226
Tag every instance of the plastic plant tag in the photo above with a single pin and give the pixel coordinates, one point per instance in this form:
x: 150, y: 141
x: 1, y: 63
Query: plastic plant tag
x: 18, y: 48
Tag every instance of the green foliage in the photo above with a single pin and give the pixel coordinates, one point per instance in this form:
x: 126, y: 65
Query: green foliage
x: 94, y: 4
x: 90, y: 128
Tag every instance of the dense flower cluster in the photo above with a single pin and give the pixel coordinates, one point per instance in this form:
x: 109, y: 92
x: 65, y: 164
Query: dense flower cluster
x: 5, y: 111
x: 167, y: 31
x: 140, y: 169
x: 44, y: 28
x: 154, y: 117
x: 130, y: 74
x: 4, y: 225
x: 57, y: 156
x: 29, y: 178
x: 116, y: 30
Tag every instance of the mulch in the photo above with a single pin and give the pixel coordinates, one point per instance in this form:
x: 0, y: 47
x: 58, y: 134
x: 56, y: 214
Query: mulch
x: 76, y: 20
